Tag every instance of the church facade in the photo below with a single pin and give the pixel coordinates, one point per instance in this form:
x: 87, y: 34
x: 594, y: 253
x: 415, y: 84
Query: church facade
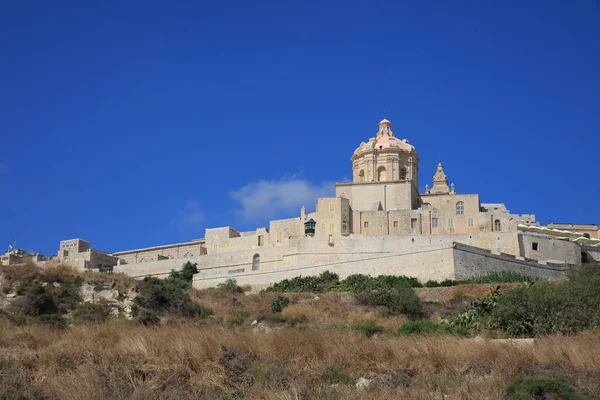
x: 377, y: 224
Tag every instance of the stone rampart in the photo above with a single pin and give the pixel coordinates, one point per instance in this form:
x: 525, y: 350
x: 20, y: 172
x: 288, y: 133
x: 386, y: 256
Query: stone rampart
x: 470, y: 262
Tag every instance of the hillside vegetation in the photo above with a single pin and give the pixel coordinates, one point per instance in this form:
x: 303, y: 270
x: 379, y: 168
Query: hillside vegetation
x: 64, y: 334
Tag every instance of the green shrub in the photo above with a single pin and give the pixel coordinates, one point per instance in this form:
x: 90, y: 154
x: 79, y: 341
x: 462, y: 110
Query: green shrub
x: 399, y: 301
x: 55, y: 321
x: 35, y: 301
x: 525, y: 388
x: 295, y: 319
x: 238, y: 319
x: 229, y: 286
x: 368, y: 328
x: 314, y: 284
x: 66, y: 297
x: 420, y: 328
x: 502, y: 277
x: 533, y: 309
x: 146, y: 317
x: 92, y: 313
x: 492, y: 277
x: 279, y: 303
x: 163, y: 297
x: 360, y: 283
x: 336, y: 373
x: 429, y: 328
x: 183, y: 278
x: 328, y: 281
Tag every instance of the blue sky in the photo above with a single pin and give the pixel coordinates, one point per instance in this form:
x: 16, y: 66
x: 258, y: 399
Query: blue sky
x: 132, y: 124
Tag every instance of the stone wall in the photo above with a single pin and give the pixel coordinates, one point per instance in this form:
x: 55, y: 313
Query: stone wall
x: 425, y: 265
x: 592, y: 253
x: 541, y: 247
x: 178, y: 250
x: 470, y: 261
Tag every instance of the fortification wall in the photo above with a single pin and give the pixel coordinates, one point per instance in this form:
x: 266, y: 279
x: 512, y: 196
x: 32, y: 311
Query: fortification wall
x: 542, y: 247
x: 430, y: 264
x: 592, y: 253
x: 306, y: 251
x: 470, y: 261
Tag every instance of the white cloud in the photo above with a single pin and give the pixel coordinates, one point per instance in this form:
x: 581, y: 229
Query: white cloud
x: 281, y: 198
x: 191, y: 216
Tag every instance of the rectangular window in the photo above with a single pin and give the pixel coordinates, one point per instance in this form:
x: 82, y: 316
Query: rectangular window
x: 434, y: 222
x: 366, y: 224
x: 413, y: 223
x: 470, y: 222
x: 395, y: 224
x: 279, y: 237
x: 330, y: 228
x: 535, y: 246
x: 260, y: 240
x: 450, y: 223
x: 331, y: 207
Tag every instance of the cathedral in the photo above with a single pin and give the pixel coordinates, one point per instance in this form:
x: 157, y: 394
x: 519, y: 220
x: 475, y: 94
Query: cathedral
x: 377, y: 224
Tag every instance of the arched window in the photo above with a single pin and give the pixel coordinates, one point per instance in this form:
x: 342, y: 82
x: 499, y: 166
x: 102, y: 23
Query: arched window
x: 402, y: 174
x: 460, y: 208
x: 497, y: 225
x: 256, y: 262
x: 381, y: 174
x: 361, y: 175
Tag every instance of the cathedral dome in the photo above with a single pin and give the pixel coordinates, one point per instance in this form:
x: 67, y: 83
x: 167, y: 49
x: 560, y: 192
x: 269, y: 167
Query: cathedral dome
x: 384, y: 140
x: 385, y: 158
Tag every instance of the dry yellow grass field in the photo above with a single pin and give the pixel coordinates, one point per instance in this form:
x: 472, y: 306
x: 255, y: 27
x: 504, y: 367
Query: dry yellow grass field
x: 127, y: 361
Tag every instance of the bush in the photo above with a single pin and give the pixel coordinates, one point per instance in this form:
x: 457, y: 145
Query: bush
x: 229, y: 286
x: 360, y: 283
x: 164, y: 297
x: 183, y: 278
x: 493, y: 277
x: 429, y: 328
x: 368, y: 328
x: 35, y: 301
x: 279, y: 303
x: 336, y: 373
x: 314, y: 284
x: 525, y: 388
x: 399, y: 301
x: 238, y: 319
x: 328, y: 281
x: 92, y: 313
x: 55, y: 321
x: 420, y: 328
x: 146, y: 317
x: 534, y: 309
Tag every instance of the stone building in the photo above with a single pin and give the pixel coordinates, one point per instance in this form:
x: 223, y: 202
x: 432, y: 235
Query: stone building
x: 377, y: 224
x: 78, y: 253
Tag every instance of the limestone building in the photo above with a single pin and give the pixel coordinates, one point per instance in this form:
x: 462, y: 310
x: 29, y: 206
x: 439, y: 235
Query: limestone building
x: 377, y: 224
x: 79, y: 253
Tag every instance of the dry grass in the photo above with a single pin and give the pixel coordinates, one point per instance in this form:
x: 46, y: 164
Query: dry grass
x: 122, y: 360
x: 451, y: 293
x: 323, y: 309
